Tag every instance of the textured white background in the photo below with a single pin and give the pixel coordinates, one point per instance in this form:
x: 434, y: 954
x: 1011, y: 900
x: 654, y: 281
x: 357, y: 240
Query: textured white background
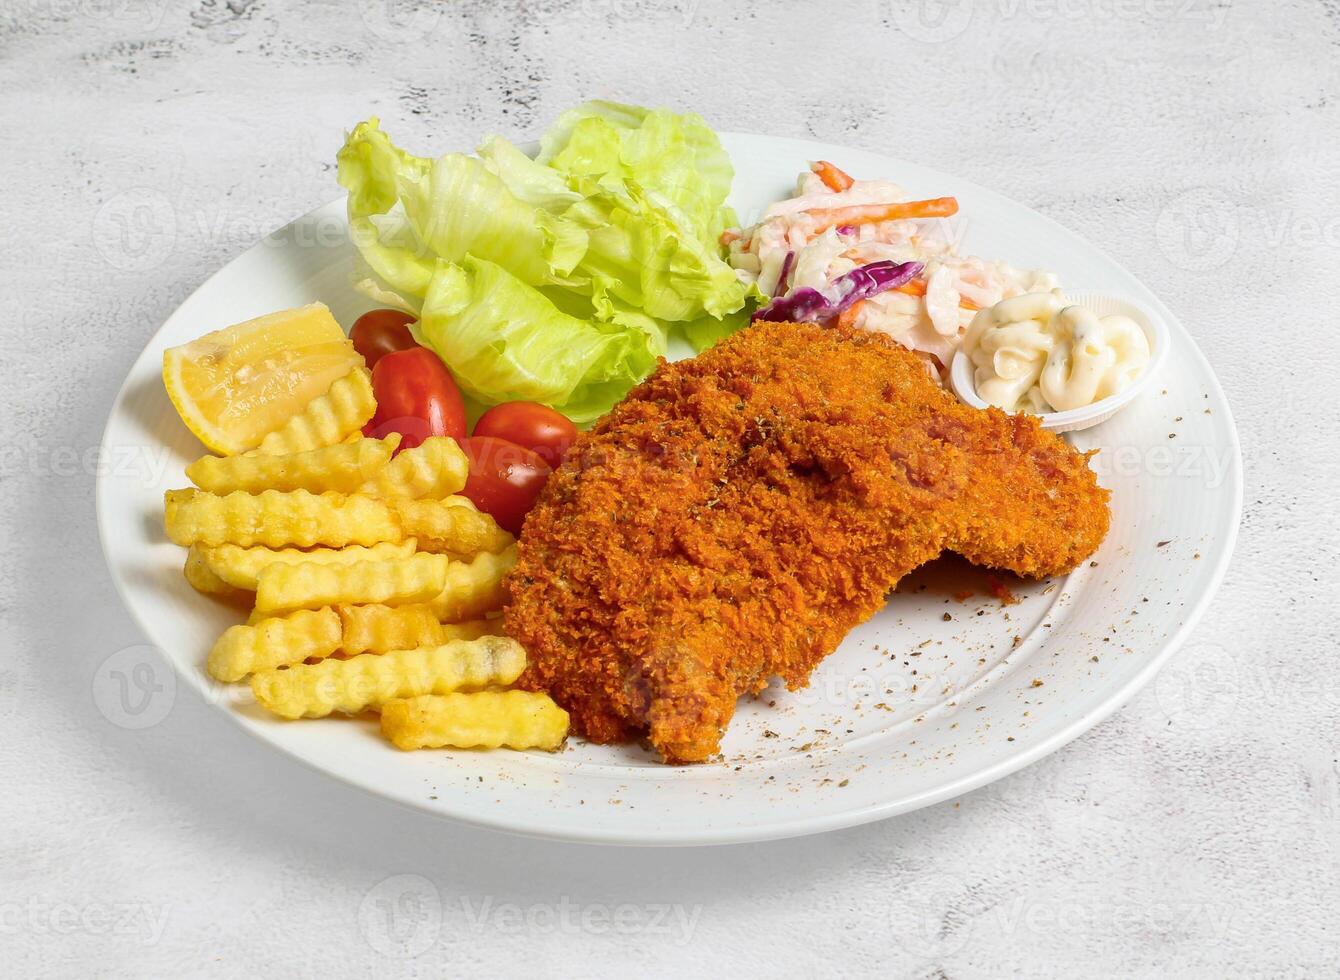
x: 145, y: 143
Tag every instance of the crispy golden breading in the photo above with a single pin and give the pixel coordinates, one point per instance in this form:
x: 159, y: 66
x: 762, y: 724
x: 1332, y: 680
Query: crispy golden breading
x: 739, y: 512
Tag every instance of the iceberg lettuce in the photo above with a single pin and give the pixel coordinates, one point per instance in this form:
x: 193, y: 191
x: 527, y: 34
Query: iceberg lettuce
x: 677, y: 157
x: 556, y: 279
x: 505, y: 341
x: 449, y: 208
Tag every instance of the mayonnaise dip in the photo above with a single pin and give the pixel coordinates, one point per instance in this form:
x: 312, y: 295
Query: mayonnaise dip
x: 1038, y: 353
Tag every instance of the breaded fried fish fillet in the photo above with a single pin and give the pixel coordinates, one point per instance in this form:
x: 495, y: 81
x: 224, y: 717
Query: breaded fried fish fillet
x: 739, y: 512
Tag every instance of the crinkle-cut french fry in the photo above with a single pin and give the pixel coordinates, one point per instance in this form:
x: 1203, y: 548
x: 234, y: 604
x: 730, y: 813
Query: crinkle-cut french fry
x: 447, y: 525
x: 474, y: 588
x: 203, y: 579
x: 489, y: 719
x: 379, y: 628
x: 434, y: 469
x: 274, y: 642
x: 471, y: 629
x: 311, y: 585
x: 276, y: 519
x: 326, y: 420
x: 343, y: 468
x: 242, y: 566
x: 370, y: 680
x: 438, y: 546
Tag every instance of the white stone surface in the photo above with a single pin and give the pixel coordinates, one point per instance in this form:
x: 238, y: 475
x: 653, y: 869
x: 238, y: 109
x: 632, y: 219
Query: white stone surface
x: 145, y: 143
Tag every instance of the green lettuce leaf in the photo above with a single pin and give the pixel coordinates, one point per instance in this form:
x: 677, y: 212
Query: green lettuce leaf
x: 505, y: 340
x: 556, y: 279
x: 643, y: 253
x: 675, y: 156
x: 447, y: 208
x: 705, y: 331
x: 643, y: 250
x: 529, y: 181
x: 369, y: 165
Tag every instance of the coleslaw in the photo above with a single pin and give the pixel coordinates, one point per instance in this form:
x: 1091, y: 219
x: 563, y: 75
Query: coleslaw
x: 836, y: 230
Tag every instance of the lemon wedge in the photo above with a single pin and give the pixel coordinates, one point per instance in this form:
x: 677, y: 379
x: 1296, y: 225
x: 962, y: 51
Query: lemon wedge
x: 234, y: 386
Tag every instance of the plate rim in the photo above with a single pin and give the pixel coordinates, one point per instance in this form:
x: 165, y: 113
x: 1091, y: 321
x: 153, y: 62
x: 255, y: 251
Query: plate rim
x: 764, y: 830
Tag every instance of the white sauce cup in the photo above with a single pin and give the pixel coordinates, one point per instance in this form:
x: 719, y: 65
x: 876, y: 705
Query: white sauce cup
x: 1156, y: 332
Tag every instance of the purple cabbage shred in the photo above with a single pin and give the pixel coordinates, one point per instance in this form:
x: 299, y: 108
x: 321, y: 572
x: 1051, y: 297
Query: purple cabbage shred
x: 809, y: 305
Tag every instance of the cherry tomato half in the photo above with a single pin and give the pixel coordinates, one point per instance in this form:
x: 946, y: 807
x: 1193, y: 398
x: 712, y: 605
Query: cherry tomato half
x: 381, y: 332
x: 505, y: 479
x: 530, y: 424
x: 417, y: 397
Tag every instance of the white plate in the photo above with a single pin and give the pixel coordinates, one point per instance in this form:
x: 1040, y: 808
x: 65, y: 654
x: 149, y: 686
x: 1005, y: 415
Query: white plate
x: 912, y: 708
